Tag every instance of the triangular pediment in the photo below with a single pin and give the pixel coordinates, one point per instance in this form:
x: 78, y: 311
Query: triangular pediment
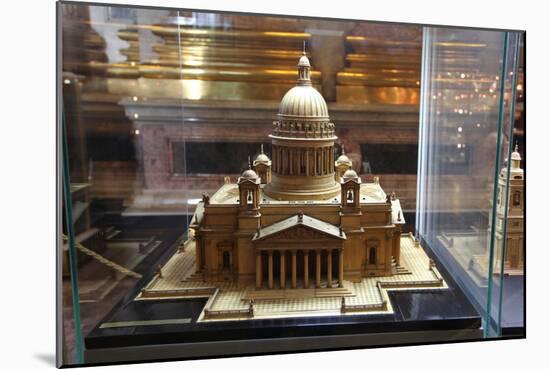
x: 250, y: 182
x: 265, y: 165
x: 299, y: 227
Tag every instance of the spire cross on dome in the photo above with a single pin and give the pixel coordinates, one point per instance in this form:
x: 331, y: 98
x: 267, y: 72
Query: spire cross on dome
x: 249, y: 165
x: 304, y: 48
x: 262, y: 148
x: 343, y: 151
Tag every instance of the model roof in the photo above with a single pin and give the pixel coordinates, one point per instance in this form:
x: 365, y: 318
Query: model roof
x: 303, y: 220
x: 228, y: 194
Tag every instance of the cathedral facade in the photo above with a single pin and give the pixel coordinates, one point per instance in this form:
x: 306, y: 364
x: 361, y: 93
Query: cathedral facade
x: 299, y: 219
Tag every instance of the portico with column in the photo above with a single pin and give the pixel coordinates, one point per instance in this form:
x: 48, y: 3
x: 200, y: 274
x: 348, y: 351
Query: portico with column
x: 272, y: 271
x: 299, y: 252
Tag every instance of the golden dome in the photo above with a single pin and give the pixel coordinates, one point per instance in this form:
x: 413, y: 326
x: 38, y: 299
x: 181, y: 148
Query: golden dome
x: 302, y: 142
x: 303, y: 100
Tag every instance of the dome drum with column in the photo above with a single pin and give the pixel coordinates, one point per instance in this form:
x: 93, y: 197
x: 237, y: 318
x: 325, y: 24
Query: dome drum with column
x: 303, y: 144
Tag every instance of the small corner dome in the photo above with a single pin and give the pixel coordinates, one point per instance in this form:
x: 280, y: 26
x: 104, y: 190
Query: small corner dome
x: 249, y: 173
x: 516, y: 156
x: 343, y: 159
x: 350, y: 173
x: 262, y: 158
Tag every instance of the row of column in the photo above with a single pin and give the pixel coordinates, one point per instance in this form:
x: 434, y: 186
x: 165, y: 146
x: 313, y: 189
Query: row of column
x: 282, y: 274
x: 313, y: 130
x: 303, y: 161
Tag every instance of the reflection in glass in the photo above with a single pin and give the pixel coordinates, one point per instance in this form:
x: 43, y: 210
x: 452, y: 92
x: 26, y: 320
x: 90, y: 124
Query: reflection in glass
x: 465, y: 135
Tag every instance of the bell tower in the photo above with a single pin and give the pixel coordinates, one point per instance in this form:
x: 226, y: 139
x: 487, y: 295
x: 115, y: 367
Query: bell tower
x: 249, y: 191
x: 249, y: 220
x: 351, y: 185
x: 510, y: 227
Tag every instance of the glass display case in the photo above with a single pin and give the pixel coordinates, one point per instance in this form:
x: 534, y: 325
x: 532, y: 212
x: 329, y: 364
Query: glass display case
x: 470, y: 201
x: 228, y: 180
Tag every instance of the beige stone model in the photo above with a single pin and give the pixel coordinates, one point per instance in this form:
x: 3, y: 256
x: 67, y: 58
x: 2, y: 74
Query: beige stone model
x: 511, y: 226
x: 299, y: 220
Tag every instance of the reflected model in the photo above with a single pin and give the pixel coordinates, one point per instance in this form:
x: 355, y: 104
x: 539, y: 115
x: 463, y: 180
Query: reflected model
x: 511, y: 227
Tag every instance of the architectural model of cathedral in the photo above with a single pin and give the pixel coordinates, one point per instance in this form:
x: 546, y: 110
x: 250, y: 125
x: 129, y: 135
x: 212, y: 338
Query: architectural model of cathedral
x: 299, y: 219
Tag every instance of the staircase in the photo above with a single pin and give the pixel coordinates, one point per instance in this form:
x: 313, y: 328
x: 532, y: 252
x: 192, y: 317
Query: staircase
x: 333, y: 292
x: 194, y: 277
x: 398, y: 269
x: 300, y: 293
